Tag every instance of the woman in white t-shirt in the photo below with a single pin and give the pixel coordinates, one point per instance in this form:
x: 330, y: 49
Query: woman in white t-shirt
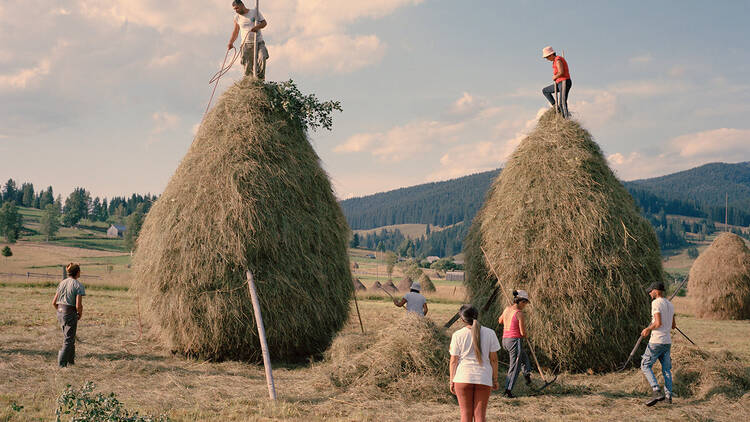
x: 473, y: 367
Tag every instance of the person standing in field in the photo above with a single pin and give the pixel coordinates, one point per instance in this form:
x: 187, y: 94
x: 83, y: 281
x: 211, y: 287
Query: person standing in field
x: 68, y: 302
x: 514, y: 331
x: 246, y: 22
x: 561, y: 78
x: 660, y: 344
x: 414, y: 301
x: 473, y: 365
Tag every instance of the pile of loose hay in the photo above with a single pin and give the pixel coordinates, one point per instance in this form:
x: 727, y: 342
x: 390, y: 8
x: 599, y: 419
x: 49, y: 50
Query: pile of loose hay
x: 249, y: 195
x: 559, y: 224
x: 405, y: 284
x: 700, y: 374
x: 427, y: 285
x: 719, y: 283
x: 406, y: 361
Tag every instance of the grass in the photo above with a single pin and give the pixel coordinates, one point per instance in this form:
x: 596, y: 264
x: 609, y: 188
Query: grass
x: 112, y: 354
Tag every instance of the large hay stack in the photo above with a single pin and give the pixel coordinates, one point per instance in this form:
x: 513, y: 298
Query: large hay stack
x: 559, y: 224
x: 427, y: 285
x: 405, y: 284
x: 249, y: 195
x: 719, y: 283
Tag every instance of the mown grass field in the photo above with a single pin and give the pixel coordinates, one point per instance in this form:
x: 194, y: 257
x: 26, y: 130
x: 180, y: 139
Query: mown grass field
x: 116, y: 352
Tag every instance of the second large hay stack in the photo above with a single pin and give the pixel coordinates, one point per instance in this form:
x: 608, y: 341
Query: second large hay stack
x: 719, y: 285
x: 249, y: 195
x: 559, y: 224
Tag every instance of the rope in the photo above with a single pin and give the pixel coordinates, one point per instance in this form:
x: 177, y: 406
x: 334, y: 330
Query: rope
x: 225, y: 68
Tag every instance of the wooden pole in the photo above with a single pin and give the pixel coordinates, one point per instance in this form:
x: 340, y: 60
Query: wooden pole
x: 255, y: 42
x: 505, y: 293
x: 356, y: 305
x: 726, y: 211
x: 262, y: 336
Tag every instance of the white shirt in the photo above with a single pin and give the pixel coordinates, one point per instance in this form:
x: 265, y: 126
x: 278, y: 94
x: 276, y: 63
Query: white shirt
x: 663, y: 334
x: 469, y: 370
x: 415, y: 303
x: 246, y: 23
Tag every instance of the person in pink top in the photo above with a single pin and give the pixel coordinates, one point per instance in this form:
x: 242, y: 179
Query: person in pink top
x: 514, y: 331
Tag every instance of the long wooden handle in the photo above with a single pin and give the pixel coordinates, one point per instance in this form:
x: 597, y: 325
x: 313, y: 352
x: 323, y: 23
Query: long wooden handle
x: 262, y: 336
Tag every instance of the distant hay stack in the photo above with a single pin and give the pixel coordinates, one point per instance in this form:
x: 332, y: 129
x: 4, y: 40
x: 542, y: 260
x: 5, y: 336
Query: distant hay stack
x: 719, y: 283
x: 390, y: 287
x: 405, y: 284
x: 358, y: 286
x: 376, y: 287
x: 249, y: 195
x: 355, y: 266
x: 559, y: 224
x: 426, y: 283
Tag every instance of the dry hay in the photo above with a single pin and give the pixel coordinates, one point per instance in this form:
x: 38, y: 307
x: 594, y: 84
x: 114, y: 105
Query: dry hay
x: 405, y: 284
x: 700, y: 374
x: 249, y: 195
x: 390, y: 287
x: 559, y: 224
x: 408, y: 360
x: 426, y: 283
x: 358, y: 286
x: 719, y: 283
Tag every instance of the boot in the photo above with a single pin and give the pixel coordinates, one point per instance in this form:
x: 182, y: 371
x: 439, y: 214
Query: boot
x: 656, y: 396
x: 527, y: 377
x: 508, y: 394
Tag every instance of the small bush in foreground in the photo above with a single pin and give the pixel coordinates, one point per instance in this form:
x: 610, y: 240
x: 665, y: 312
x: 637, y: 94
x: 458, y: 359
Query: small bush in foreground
x: 78, y: 405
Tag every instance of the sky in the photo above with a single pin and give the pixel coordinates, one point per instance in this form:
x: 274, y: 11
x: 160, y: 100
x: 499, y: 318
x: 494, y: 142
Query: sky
x: 108, y: 95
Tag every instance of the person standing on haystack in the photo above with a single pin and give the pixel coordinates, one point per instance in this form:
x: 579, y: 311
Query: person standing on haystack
x: 660, y: 344
x: 413, y: 300
x: 473, y: 365
x: 514, y: 331
x: 68, y: 302
x: 561, y: 78
x: 246, y: 22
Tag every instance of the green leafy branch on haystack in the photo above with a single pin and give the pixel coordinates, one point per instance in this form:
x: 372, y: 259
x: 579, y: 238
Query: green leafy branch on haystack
x: 81, y: 405
x: 306, y: 110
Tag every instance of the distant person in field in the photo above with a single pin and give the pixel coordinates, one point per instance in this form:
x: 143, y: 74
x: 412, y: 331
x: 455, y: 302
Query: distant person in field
x: 68, y: 302
x: 246, y: 23
x: 473, y: 365
x: 561, y: 78
x: 413, y: 300
x: 514, y: 331
x: 660, y: 344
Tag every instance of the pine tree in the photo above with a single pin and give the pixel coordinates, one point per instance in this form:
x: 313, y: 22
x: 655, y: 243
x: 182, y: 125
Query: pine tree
x: 27, y: 194
x: 50, y: 221
x: 11, y: 221
x: 6, y: 252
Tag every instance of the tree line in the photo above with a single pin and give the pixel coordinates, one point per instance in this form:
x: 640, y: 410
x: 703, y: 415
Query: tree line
x: 78, y: 207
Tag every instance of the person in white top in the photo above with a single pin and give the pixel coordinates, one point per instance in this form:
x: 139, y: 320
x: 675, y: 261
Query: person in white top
x: 660, y: 345
x: 414, y: 301
x: 246, y: 23
x: 473, y: 365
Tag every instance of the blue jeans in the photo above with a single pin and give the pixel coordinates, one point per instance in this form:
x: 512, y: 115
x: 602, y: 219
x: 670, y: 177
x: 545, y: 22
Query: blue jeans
x: 518, y: 360
x: 660, y: 352
x: 563, y: 87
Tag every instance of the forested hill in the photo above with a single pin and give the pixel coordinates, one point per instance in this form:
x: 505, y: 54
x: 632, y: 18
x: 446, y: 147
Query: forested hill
x: 707, y: 185
x: 697, y: 192
x: 438, y: 203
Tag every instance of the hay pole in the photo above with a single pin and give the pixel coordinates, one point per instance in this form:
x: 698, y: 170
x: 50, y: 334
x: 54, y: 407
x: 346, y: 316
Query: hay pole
x: 255, y: 43
x: 262, y: 336
x: 356, y: 305
x: 528, y: 340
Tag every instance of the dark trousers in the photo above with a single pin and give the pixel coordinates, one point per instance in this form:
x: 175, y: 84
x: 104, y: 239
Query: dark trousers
x: 68, y: 323
x: 563, y: 87
x: 518, y: 360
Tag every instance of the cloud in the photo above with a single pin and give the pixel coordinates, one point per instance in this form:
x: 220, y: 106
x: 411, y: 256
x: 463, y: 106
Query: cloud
x: 166, y: 60
x: 24, y: 77
x: 164, y: 121
x: 685, y: 151
x: 340, y: 53
x: 403, y: 142
x: 595, y: 109
x: 642, y: 59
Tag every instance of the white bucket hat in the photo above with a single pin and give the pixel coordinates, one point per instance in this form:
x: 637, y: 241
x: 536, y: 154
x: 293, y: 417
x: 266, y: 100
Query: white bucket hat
x: 547, y: 51
x: 522, y: 294
x: 416, y: 286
